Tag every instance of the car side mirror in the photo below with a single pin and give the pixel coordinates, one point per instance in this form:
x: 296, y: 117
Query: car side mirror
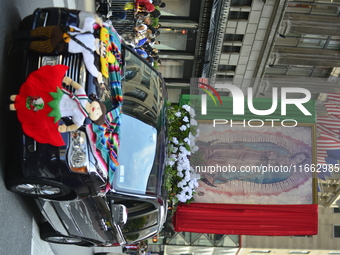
x: 119, y: 213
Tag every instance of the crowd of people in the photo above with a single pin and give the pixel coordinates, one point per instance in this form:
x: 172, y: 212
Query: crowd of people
x: 146, y: 30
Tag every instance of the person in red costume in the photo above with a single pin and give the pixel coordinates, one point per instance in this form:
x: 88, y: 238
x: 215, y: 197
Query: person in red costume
x: 149, y: 7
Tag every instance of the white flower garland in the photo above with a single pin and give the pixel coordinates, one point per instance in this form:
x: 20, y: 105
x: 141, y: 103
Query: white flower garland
x: 181, y: 144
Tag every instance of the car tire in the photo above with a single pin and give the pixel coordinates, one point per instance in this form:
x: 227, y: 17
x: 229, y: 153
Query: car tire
x: 39, y: 188
x: 48, y: 234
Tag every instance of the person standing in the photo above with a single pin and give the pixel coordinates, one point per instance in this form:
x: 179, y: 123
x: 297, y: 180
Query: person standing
x: 145, y: 6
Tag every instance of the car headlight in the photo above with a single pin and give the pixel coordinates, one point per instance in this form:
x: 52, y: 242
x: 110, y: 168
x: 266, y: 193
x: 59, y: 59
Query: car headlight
x: 77, y: 153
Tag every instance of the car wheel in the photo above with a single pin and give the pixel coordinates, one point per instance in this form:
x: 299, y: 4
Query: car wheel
x: 48, y: 234
x: 38, y: 188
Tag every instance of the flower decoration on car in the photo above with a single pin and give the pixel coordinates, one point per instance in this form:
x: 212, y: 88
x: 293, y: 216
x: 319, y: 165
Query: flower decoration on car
x: 181, y: 180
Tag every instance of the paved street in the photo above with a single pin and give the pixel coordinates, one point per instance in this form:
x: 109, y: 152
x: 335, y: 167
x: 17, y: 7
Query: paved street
x: 19, y: 215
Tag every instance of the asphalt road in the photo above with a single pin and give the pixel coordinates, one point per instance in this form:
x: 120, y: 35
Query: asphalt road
x: 17, y: 213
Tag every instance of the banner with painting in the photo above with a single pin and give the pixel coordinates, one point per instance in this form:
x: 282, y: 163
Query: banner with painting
x: 249, y: 165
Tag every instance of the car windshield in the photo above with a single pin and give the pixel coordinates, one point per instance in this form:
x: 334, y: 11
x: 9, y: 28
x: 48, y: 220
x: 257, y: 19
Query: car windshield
x: 142, y: 140
x: 142, y: 89
x: 136, y: 155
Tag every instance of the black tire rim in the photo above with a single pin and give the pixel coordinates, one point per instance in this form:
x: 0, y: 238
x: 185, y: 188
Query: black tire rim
x: 38, y: 189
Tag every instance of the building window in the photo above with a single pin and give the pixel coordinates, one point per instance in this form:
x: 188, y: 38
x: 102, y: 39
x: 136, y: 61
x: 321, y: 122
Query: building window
x: 259, y: 251
x: 313, y: 9
x: 310, y: 41
x: 241, y: 2
x: 333, y: 43
x: 225, y: 72
x: 224, y: 76
x: 233, y: 38
x: 319, y: 1
x: 299, y: 70
x: 298, y: 252
x: 336, y: 231
x: 226, y: 68
x: 231, y: 49
x: 137, y: 93
x: 172, y: 39
x: 176, y: 8
x: 238, y: 15
x: 172, y: 68
x: 336, y: 210
x: 327, y: 1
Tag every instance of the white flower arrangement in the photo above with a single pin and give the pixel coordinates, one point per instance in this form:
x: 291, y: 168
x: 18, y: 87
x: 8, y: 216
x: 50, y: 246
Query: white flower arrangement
x: 181, y: 180
x: 183, y: 128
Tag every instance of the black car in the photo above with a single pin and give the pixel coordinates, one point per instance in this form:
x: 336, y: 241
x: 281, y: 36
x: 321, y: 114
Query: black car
x: 68, y: 181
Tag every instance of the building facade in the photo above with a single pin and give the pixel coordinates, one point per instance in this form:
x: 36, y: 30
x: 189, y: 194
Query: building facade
x: 251, y: 43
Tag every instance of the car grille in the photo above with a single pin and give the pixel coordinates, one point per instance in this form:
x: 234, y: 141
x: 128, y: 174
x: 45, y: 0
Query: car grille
x: 76, y: 70
x: 73, y: 61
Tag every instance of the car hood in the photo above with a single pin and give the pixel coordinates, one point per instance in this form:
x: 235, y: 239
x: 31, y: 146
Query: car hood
x: 88, y: 218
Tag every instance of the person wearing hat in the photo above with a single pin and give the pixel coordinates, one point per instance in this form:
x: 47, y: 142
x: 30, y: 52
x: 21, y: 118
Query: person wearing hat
x: 147, y: 48
x: 144, y: 5
x: 141, y: 35
x: 155, y: 35
x: 141, y: 53
x: 153, y: 42
x: 151, y: 60
x: 155, y: 14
